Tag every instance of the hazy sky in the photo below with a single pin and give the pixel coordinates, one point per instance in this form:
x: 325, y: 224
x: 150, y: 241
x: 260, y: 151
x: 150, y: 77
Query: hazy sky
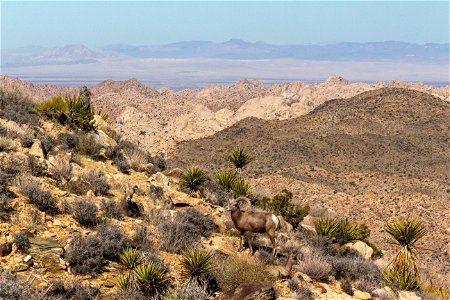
x: 98, y: 23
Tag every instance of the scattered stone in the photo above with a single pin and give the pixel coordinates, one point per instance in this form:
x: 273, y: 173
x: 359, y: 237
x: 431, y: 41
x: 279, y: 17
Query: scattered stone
x: 37, y: 149
x: 27, y: 258
x: 48, y: 253
x: 90, y: 194
x: 253, y: 290
x: 5, y: 249
x: 108, y: 284
x: 21, y: 268
x: 362, y: 248
x: 361, y: 295
x: 405, y: 295
x: 175, y: 173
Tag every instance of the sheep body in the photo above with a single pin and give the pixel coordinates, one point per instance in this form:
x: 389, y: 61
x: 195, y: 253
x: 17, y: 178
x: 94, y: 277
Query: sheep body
x: 248, y: 222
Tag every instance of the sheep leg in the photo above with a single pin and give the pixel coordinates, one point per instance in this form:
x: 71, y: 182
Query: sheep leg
x: 248, y: 235
x: 272, y: 238
x: 241, y: 242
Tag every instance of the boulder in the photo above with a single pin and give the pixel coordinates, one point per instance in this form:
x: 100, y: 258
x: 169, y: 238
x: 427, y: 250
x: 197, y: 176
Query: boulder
x: 405, y: 295
x: 100, y: 123
x: 37, y: 149
x: 251, y: 291
x: 362, y: 248
x: 103, y: 139
x: 181, y: 199
x: 47, y: 252
x: 59, y: 162
x: 175, y: 173
x: 161, y: 179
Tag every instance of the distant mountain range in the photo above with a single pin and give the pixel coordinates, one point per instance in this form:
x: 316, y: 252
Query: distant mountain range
x: 234, y: 49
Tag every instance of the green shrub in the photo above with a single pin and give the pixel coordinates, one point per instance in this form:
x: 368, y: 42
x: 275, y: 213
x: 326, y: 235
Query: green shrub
x: 281, y: 204
x: 130, y: 258
x: 192, y: 178
x: 225, y: 178
x: 151, y: 278
x: 74, y: 112
x: 197, y: 264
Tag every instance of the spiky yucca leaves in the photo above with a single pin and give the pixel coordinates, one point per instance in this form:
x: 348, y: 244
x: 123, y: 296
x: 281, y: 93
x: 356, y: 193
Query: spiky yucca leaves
x: 404, y: 234
x: 130, y: 258
x: 225, y: 178
x: 192, y: 178
x: 240, y: 157
x: 197, y: 264
x: 341, y: 231
x: 327, y: 227
x: 151, y: 278
x: 350, y: 232
x: 75, y: 112
x: 127, y: 281
x: 405, y: 279
x: 239, y: 187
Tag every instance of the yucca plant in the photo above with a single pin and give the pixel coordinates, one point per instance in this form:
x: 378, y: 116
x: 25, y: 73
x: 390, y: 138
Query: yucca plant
x: 225, y: 178
x: 350, y: 232
x: 327, y: 227
x: 240, y: 157
x: 239, y: 187
x: 197, y: 264
x: 130, y: 258
x: 126, y: 281
x: 405, y: 279
x: 405, y: 235
x: 151, y: 278
x: 192, y: 178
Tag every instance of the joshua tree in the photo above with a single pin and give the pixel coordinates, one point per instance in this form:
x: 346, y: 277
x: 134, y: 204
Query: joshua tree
x: 403, y: 272
x: 240, y: 158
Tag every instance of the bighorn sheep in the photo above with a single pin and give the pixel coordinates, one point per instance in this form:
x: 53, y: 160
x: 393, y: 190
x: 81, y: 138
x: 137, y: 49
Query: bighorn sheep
x: 133, y: 207
x: 248, y: 222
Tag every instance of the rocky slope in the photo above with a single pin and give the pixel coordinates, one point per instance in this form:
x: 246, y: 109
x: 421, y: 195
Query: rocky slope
x: 43, y: 181
x: 374, y: 157
x: 160, y: 119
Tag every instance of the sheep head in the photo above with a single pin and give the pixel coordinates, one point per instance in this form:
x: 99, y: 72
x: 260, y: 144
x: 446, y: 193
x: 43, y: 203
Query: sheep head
x: 234, y: 204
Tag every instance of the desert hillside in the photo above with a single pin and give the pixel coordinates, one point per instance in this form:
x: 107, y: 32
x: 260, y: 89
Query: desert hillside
x: 158, y: 119
x: 376, y: 156
x: 85, y: 214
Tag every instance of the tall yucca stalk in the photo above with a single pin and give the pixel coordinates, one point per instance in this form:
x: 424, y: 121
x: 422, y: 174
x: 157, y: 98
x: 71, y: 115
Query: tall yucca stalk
x: 405, y: 235
x: 240, y: 157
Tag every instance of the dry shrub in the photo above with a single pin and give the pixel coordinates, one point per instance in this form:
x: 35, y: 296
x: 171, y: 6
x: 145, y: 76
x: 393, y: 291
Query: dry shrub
x: 43, y: 199
x: 84, y: 255
x: 315, y: 266
x: 111, y: 209
x: 88, y: 145
x: 6, y: 144
x: 18, y: 108
x: 85, y: 212
x: 236, y: 270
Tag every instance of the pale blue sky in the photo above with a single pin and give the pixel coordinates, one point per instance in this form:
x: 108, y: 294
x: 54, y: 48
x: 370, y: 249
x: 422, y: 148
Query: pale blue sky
x: 98, y: 23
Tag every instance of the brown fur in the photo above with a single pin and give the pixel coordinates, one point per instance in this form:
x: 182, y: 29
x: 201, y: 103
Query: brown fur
x: 249, y: 222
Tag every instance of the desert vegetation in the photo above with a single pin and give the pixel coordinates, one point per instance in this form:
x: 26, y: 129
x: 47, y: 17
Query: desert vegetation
x: 183, y: 242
